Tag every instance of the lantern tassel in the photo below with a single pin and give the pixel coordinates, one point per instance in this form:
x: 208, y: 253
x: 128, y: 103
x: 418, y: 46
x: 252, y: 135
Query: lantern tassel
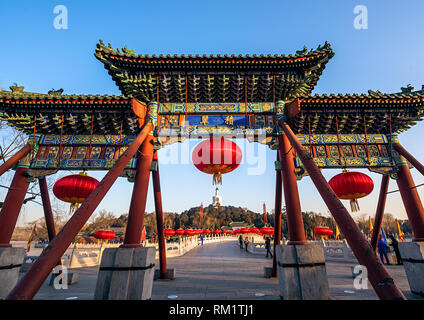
x: 217, y: 178
x: 354, y: 205
x: 73, y: 208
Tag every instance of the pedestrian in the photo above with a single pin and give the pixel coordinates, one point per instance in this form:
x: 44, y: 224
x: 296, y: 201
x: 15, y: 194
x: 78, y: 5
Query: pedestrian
x: 201, y: 238
x: 246, y: 242
x: 395, y: 245
x: 241, y: 242
x: 268, y: 247
x: 382, y: 250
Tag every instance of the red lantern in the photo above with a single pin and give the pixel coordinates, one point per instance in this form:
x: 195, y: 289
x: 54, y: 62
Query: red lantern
x: 323, y: 231
x: 104, y: 234
x: 189, y: 232
x: 206, y: 231
x: 216, y: 156
x: 254, y: 230
x: 244, y: 230
x: 169, y: 232
x: 74, y: 188
x: 351, y: 186
x: 180, y: 232
x: 267, y: 230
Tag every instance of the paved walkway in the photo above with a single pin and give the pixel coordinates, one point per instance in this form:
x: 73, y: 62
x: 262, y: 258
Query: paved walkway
x: 222, y: 271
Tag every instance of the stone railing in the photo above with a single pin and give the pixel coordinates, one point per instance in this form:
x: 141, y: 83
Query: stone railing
x: 333, y: 249
x: 185, y: 244
x: 90, y: 255
x: 337, y: 250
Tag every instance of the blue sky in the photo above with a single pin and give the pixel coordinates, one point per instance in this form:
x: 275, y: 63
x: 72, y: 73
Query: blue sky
x: 384, y: 57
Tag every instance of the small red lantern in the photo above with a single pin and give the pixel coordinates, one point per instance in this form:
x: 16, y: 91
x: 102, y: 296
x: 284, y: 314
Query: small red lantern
x: 189, y: 232
x: 74, y: 188
x: 169, y: 232
x: 179, y: 232
x: 217, y: 156
x: 244, y: 230
x: 351, y: 186
x: 104, y: 235
x: 206, y: 231
x: 323, y: 231
x: 254, y: 230
x: 267, y: 230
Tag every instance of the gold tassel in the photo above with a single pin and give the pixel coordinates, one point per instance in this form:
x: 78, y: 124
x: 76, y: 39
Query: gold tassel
x: 217, y: 178
x: 73, y: 208
x: 354, y: 205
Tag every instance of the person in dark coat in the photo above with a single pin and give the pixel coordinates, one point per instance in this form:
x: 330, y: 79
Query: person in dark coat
x: 395, y: 245
x: 382, y: 250
x: 268, y: 247
x: 246, y: 242
x: 241, y: 242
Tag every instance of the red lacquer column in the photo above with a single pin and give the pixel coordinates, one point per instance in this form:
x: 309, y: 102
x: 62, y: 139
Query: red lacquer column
x: 12, y: 206
x: 48, y: 214
x: 378, y: 220
x: 408, y: 191
x: 380, y: 279
x: 28, y: 286
x: 411, y: 201
x: 295, y: 226
x: 15, y: 158
x: 277, y: 215
x: 402, y: 151
x: 139, y: 195
x: 159, y: 218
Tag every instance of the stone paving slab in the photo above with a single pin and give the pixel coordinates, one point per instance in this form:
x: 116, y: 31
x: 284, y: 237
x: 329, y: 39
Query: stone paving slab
x: 222, y: 271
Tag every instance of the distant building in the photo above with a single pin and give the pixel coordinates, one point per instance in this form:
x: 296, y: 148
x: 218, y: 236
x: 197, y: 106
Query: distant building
x: 237, y: 225
x: 217, y: 199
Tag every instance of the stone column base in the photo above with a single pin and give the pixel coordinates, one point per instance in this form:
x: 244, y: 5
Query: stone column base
x: 10, y: 263
x: 412, y: 254
x: 126, y: 274
x: 301, y: 272
x: 267, y: 272
x: 170, y: 274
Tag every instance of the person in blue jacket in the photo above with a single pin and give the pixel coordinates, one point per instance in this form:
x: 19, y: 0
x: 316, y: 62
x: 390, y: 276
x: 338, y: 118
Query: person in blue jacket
x: 382, y: 249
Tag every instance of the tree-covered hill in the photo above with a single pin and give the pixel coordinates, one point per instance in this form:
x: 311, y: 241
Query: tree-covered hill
x: 213, y: 218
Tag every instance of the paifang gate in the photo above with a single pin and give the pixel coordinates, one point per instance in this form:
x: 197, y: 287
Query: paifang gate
x: 166, y: 99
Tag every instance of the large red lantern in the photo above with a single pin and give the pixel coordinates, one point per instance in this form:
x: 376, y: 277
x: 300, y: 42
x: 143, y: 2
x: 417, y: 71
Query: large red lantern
x: 217, y: 156
x: 351, y: 186
x: 74, y: 188
x: 104, y: 234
